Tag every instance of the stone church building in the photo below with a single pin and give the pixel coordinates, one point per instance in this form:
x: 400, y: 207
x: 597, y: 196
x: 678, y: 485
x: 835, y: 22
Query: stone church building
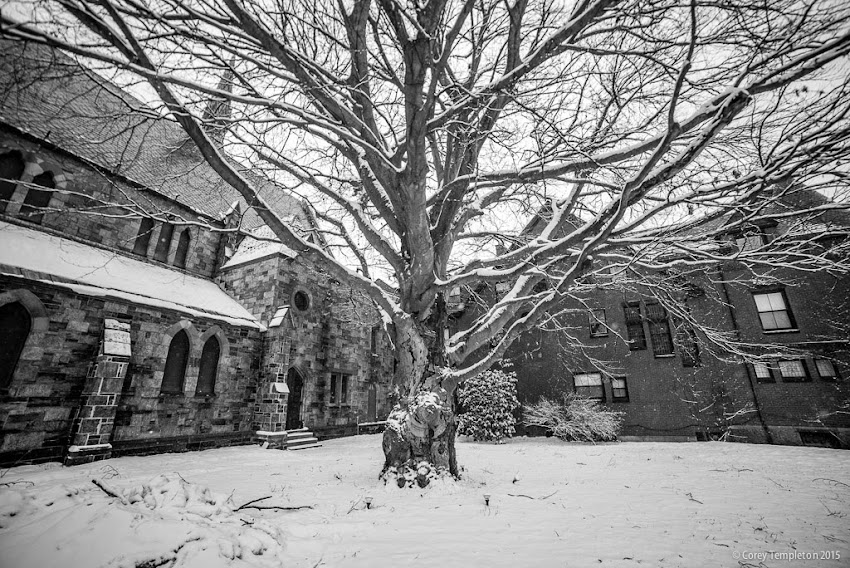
x: 133, y: 318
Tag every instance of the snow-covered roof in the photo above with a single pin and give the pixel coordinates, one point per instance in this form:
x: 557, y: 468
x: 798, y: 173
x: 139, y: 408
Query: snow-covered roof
x: 279, y: 316
x: 251, y: 248
x: 96, y: 272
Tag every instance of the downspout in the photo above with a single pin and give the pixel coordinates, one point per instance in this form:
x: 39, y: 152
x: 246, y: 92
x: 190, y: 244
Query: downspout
x: 737, y: 330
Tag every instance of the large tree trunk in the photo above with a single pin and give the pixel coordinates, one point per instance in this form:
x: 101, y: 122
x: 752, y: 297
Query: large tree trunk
x: 419, y: 440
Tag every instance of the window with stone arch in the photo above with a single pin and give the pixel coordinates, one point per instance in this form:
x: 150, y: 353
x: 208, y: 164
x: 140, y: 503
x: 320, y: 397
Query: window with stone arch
x: 182, y: 249
x: 37, y: 200
x: 15, y: 326
x: 175, y: 364
x: 12, y: 167
x: 208, y: 369
x: 163, y: 245
x: 143, y: 237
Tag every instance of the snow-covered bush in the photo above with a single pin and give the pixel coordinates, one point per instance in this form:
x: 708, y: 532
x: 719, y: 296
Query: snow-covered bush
x: 487, y: 403
x: 575, y: 418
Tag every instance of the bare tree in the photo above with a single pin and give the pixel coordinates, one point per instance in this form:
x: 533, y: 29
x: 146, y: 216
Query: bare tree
x: 428, y: 132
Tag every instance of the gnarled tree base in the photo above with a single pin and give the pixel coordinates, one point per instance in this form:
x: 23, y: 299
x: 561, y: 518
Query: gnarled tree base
x: 419, y: 441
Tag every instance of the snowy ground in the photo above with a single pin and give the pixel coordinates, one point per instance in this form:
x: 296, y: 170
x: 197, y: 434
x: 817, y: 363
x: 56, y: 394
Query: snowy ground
x: 551, y: 504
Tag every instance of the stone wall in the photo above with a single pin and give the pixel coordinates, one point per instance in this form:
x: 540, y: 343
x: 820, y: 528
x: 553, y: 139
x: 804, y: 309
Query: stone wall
x: 331, y: 336
x: 38, y: 411
x: 86, y: 190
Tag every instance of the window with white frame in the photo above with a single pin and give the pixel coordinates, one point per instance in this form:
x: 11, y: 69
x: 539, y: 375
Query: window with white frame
x: 598, y: 326
x: 762, y: 373
x: 619, y: 389
x: 773, y: 311
x: 751, y: 240
x: 793, y: 371
x: 826, y: 370
x: 589, y: 385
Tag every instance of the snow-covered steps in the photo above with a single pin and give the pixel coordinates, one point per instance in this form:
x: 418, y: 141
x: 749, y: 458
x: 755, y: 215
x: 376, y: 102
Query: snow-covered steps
x: 300, y: 439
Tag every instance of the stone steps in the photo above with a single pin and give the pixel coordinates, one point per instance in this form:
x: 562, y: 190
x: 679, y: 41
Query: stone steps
x: 301, y: 439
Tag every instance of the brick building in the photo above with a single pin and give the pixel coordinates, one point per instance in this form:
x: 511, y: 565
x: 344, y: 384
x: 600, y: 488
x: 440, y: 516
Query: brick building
x: 131, y: 319
x: 673, y: 384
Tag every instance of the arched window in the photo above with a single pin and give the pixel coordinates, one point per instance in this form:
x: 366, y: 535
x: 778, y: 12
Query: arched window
x: 143, y: 238
x: 11, y: 169
x: 209, y: 366
x: 182, y: 249
x: 38, y: 199
x: 15, y: 324
x: 175, y: 364
x: 164, y: 243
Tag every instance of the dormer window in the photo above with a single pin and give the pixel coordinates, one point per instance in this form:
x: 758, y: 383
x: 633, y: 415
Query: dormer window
x: 753, y: 237
x: 752, y: 240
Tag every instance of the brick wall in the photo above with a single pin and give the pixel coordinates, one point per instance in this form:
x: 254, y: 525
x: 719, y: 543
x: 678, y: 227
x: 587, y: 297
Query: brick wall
x: 820, y: 307
x: 664, y: 396
x: 668, y: 399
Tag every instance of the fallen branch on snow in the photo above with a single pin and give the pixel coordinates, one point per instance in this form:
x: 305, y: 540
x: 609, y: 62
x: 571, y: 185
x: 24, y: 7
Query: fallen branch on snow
x: 530, y: 497
x: 830, y: 480
x: 109, y: 491
x: 11, y: 483
x: 250, y: 505
x: 691, y: 498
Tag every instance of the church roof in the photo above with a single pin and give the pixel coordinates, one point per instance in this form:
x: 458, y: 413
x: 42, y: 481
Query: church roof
x: 91, y: 271
x: 52, y: 98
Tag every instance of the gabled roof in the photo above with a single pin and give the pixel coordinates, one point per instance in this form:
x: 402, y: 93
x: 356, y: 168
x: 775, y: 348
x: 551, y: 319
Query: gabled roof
x: 250, y: 249
x: 50, y: 97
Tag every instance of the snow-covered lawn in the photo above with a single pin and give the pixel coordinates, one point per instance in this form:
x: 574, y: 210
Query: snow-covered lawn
x: 551, y: 504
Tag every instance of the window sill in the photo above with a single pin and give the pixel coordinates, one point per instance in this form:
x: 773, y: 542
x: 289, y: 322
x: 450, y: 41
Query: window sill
x: 207, y: 396
x: 619, y: 400
x: 778, y: 331
x: 598, y: 336
x: 163, y: 395
x: 666, y: 356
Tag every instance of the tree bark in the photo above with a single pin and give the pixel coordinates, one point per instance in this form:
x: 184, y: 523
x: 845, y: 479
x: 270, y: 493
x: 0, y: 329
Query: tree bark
x: 419, y: 440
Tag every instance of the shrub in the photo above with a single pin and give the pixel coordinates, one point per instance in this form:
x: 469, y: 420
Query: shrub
x: 487, y: 404
x: 575, y: 418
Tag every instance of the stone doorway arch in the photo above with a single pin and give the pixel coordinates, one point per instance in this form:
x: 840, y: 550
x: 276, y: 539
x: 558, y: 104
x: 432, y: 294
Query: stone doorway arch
x: 295, y: 383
